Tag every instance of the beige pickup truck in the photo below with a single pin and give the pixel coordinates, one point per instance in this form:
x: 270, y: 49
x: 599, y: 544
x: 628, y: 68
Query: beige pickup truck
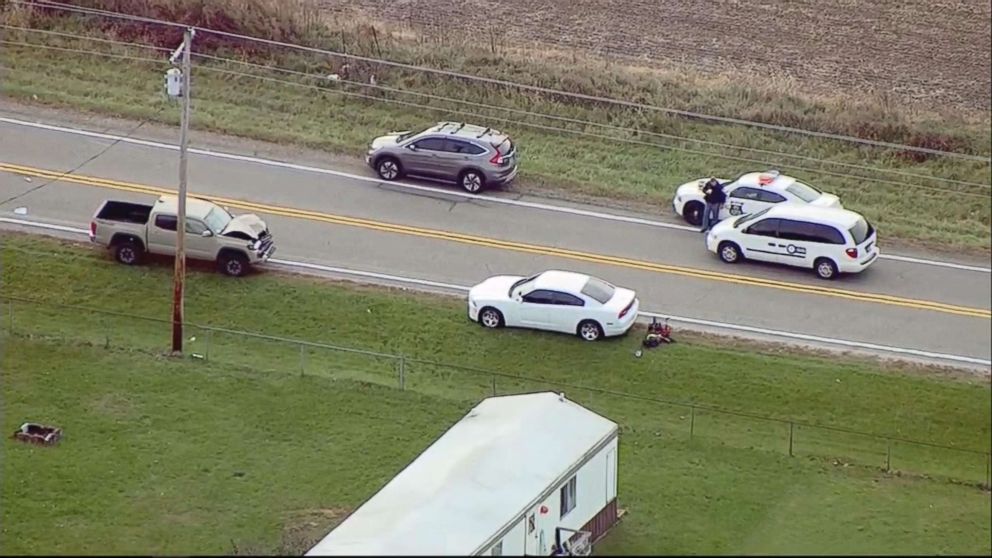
x: 132, y: 230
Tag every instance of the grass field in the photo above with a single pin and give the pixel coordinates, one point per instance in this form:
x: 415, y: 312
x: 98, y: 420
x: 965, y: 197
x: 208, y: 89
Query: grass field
x: 187, y: 456
x: 585, y: 160
x: 172, y: 457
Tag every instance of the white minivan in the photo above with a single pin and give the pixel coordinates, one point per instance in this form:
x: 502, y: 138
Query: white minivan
x: 828, y: 240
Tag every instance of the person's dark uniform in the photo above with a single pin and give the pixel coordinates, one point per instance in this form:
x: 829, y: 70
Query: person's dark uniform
x: 715, y: 198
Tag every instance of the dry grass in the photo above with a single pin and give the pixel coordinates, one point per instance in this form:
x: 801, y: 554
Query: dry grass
x: 775, y: 100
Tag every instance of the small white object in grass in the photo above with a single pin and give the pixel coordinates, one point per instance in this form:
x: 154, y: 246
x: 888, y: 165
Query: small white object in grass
x: 21, y: 211
x: 192, y: 338
x: 27, y: 179
x: 638, y: 353
x: 333, y: 77
x: 369, y: 310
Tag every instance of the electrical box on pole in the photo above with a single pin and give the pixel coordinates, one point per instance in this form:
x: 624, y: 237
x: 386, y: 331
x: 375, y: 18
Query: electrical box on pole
x: 174, y: 83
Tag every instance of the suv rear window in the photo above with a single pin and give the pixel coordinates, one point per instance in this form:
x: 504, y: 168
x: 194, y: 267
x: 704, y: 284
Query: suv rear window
x: 599, y: 290
x: 505, y: 147
x: 861, y: 230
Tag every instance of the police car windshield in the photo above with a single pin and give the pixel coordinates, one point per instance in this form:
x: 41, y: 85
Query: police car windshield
x: 750, y: 217
x: 803, y: 191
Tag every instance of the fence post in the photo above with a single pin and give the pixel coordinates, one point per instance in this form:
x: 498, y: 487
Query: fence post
x: 988, y: 470
x: 692, y: 421
x: 494, y: 386
x: 303, y: 357
x: 206, y: 339
x: 402, y: 372
x: 791, y: 428
x: 888, y: 456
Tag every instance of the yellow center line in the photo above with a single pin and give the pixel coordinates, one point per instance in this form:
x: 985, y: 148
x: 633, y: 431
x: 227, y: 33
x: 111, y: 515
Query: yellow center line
x: 514, y: 246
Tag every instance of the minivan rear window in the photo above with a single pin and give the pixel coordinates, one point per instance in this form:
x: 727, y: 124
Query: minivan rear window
x: 861, y: 231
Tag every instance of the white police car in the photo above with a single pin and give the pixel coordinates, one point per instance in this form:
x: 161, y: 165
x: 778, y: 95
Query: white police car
x: 749, y: 193
x: 828, y: 240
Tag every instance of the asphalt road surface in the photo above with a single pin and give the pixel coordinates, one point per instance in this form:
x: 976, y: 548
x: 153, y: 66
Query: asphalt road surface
x: 437, y: 234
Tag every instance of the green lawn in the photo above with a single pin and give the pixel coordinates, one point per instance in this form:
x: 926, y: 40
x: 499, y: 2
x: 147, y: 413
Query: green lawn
x: 158, y: 441
x: 952, y: 216
x: 178, y: 457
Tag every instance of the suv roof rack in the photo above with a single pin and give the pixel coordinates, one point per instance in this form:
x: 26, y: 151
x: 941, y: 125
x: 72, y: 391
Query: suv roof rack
x: 484, y: 132
x: 460, y: 126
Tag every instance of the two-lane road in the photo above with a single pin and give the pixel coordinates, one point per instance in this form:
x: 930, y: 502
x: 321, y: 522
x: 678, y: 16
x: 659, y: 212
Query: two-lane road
x: 438, y: 234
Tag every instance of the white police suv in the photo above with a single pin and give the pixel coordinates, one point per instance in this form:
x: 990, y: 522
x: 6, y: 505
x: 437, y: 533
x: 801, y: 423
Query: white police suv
x: 828, y: 240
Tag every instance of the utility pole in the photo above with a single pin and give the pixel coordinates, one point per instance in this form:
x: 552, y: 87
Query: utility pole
x: 179, y: 277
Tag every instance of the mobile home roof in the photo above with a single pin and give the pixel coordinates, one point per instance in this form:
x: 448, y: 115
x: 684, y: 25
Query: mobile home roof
x: 474, y: 480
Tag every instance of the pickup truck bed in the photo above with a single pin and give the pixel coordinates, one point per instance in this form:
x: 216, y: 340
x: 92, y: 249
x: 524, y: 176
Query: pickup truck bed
x: 125, y: 212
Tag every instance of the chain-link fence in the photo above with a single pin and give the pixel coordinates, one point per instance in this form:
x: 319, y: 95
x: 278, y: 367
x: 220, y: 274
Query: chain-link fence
x: 284, y: 355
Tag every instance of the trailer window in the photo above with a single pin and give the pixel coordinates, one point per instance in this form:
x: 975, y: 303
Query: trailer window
x: 568, y: 497
x: 498, y: 549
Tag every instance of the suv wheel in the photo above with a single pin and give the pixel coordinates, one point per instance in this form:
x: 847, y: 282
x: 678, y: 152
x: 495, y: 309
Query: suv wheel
x: 472, y: 181
x: 388, y: 168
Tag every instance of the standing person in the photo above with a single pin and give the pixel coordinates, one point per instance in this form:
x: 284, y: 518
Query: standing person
x: 715, y: 197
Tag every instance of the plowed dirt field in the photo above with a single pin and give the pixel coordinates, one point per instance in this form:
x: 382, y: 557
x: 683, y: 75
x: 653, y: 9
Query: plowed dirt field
x: 932, y: 52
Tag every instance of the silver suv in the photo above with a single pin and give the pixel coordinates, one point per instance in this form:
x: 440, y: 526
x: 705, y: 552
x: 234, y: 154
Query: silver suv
x: 473, y: 156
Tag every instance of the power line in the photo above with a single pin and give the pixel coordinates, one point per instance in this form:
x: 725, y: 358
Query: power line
x: 588, y: 134
x: 84, y: 37
x: 599, y: 124
x: 532, y: 113
x: 528, y: 87
x: 516, y: 122
x: 90, y: 52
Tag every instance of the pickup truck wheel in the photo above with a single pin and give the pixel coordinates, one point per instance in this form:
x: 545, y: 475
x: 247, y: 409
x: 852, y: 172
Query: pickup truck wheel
x: 127, y: 253
x: 235, y: 265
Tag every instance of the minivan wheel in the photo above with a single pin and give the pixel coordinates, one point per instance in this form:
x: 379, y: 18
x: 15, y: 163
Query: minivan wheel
x: 825, y: 269
x: 490, y: 318
x: 472, y: 181
x: 388, y: 168
x: 693, y: 213
x: 590, y: 330
x: 729, y: 252
x: 234, y: 265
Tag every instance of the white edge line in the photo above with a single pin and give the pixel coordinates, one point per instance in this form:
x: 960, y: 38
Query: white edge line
x: 642, y: 314
x: 504, y: 201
